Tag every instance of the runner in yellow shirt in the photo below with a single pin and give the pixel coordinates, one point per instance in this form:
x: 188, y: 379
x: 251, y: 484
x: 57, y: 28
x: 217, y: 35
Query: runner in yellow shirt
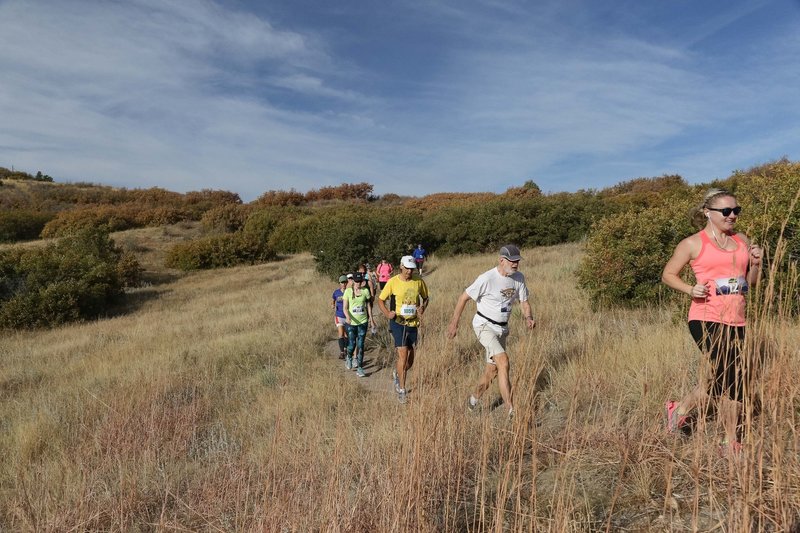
x: 409, y: 295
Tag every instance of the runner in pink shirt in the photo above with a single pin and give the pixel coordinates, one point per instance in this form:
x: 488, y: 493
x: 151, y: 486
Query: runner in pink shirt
x: 725, y: 266
x: 384, y: 270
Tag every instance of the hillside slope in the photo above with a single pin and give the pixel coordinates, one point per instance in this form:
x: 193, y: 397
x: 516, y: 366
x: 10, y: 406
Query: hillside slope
x: 212, y: 404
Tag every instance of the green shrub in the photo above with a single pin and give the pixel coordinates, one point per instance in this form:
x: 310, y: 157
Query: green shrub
x: 262, y: 222
x: 295, y: 234
x: 226, y: 218
x: 129, y: 271
x: 464, y: 228
x: 75, y: 278
x: 22, y: 224
x: 527, y: 221
x: 197, y: 203
x: 112, y: 217
x: 346, y: 236
x: 217, y: 251
x: 770, y: 198
x: 626, y: 253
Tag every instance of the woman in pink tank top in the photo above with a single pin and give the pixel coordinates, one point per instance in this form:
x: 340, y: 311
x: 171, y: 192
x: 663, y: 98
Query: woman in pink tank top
x: 725, y: 266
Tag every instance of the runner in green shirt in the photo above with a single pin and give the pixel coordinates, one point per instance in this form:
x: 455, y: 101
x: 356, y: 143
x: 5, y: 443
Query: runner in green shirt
x: 358, y: 313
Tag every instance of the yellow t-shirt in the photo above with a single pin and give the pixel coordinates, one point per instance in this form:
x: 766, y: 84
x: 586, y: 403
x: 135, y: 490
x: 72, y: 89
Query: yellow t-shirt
x: 408, y: 295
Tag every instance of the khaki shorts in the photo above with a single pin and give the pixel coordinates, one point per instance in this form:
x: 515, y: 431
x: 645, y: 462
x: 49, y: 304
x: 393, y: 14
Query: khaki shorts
x: 493, y: 338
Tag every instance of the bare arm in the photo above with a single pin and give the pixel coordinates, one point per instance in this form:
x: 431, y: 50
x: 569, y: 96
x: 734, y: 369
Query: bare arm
x: 388, y: 314
x: 528, y: 314
x: 686, y: 250
x: 460, y: 305
x: 754, y: 267
x: 369, y: 314
x: 346, y: 309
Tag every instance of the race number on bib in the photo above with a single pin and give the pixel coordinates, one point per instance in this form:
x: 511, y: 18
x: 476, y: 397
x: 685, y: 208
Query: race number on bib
x: 359, y: 310
x: 408, y: 310
x: 731, y: 285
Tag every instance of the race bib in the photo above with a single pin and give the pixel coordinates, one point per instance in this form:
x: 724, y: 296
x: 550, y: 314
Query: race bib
x: 727, y: 286
x: 408, y: 310
x: 359, y: 310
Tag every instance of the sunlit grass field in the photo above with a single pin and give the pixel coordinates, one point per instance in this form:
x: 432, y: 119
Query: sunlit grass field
x: 211, y: 404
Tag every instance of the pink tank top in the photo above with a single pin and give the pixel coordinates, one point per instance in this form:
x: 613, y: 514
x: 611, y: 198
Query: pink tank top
x: 727, y: 272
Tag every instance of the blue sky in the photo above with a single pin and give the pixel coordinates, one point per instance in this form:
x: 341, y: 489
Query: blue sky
x: 413, y: 96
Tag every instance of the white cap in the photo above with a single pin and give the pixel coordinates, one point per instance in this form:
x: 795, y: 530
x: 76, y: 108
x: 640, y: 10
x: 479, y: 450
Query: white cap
x: 408, y: 261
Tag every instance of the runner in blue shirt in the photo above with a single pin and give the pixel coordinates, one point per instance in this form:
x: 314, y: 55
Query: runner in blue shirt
x: 419, y: 257
x: 339, y: 319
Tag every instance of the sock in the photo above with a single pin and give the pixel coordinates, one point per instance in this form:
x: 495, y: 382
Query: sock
x: 342, y: 344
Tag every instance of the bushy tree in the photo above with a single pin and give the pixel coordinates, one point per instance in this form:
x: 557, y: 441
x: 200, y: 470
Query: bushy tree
x: 78, y: 277
x: 626, y: 253
x: 357, y: 234
x: 218, y: 251
x: 770, y: 197
x: 22, y: 224
x: 225, y: 218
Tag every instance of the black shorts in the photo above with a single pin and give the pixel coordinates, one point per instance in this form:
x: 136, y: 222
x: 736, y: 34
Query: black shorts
x: 723, y: 346
x: 404, y: 336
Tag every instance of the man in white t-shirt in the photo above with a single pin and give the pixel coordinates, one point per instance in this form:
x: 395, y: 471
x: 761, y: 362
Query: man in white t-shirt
x: 495, y: 292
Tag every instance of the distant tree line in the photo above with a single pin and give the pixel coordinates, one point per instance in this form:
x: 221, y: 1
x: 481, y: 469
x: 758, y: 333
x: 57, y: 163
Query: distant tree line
x: 630, y: 230
x: 6, y: 174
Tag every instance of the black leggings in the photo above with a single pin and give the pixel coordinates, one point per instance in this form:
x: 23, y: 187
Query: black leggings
x: 723, y: 345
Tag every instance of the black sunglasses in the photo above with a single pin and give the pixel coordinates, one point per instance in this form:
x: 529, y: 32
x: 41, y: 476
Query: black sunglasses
x: 726, y: 211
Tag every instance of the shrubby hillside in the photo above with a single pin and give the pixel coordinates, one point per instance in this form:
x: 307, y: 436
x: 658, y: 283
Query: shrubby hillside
x: 57, y: 209
x: 630, y: 229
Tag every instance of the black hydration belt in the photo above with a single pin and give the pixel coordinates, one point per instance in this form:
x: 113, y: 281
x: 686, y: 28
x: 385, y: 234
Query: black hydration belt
x: 504, y: 324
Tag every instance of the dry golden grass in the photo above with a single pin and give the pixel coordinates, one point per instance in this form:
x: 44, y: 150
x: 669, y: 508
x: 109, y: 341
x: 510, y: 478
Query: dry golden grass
x: 211, y: 405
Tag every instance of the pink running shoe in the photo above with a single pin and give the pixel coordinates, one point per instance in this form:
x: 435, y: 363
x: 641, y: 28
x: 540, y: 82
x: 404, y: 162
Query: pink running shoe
x: 675, y: 421
x: 730, y: 449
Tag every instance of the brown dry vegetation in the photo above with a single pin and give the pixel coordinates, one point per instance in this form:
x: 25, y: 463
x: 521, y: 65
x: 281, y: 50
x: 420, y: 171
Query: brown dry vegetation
x: 212, y: 406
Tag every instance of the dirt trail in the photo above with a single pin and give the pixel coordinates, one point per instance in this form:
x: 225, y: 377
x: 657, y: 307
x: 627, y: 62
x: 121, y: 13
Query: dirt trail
x: 377, y: 379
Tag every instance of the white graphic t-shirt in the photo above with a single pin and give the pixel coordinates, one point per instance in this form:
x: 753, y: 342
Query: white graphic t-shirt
x: 495, y: 294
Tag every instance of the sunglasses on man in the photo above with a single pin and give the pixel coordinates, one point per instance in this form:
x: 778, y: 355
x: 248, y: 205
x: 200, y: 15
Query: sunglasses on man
x: 726, y: 211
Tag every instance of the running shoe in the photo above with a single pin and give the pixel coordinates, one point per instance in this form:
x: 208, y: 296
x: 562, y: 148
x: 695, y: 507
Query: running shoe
x: 396, y: 381
x: 360, y: 372
x: 401, y: 396
x: 341, y: 355
x: 348, y: 363
x: 730, y: 449
x: 675, y: 421
x: 511, y: 413
x: 471, y: 406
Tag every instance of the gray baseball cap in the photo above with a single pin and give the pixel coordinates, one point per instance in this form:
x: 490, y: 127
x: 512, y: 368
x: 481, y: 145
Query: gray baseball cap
x: 510, y: 252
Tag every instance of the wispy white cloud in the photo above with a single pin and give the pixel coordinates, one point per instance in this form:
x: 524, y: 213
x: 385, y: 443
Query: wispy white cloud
x: 138, y: 92
x: 193, y: 94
